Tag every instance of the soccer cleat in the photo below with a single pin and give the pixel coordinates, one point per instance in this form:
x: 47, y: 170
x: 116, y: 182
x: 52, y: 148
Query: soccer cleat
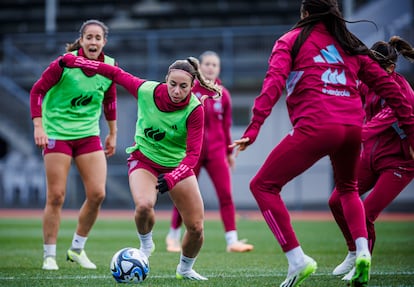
x: 173, y: 244
x: 239, y: 246
x: 80, y: 258
x: 362, y: 271
x: 346, y: 266
x: 294, y: 279
x: 189, y: 275
x: 49, y: 263
x: 349, y: 276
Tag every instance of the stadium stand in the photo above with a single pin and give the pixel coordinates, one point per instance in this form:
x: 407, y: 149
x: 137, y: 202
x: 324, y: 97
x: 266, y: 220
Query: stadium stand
x: 28, y: 16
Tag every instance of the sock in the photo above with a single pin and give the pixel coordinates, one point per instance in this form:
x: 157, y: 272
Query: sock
x: 78, y: 243
x: 175, y: 233
x: 231, y: 237
x: 296, y: 258
x: 146, y: 243
x: 186, y: 263
x: 351, y: 253
x: 361, y: 246
x: 49, y: 250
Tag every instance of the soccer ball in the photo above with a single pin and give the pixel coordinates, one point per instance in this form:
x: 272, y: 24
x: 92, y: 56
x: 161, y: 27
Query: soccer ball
x: 129, y: 265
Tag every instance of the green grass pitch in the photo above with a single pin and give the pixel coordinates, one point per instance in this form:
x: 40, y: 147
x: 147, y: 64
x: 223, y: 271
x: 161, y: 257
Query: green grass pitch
x: 21, y: 254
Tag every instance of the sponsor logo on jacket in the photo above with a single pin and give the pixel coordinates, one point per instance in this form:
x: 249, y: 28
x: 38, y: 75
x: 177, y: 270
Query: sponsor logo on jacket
x: 332, y: 76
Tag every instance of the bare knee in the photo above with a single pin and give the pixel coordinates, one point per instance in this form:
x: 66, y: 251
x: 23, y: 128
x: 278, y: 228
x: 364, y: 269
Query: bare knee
x: 55, y: 197
x: 96, y: 198
x: 144, y: 209
x: 99, y: 197
x: 195, y: 230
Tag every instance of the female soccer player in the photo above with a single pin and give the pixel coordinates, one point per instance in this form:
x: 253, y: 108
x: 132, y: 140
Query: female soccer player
x: 168, y: 138
x: 66, y: 107
x: 216, y: 156
x: 320, y: 61
x: 386, y: 162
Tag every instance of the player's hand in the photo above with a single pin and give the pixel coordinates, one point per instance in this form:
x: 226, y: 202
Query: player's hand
x: 162, y: 184
x: 40, y: 137
x: 67, y: 61
x: 240, y: 145
x: 110, y: 145
x: 412, y: 152
x: 231, y: 160
x: 71, y: 61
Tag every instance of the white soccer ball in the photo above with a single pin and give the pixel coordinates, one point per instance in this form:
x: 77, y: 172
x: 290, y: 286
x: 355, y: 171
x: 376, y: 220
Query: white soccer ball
x: 129, y: 265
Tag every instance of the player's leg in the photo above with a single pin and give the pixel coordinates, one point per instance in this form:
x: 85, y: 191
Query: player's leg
x: 142, y: 185
x: 294, y: 154
x: 184, y: 192
x: 92, y: 169
x: 389, y: 185
x: 345, y: 162
x: 366, y: 180
x: 219, y: 171
x: 57, y: 167
x: 91, y: 163
x: 173, y: 238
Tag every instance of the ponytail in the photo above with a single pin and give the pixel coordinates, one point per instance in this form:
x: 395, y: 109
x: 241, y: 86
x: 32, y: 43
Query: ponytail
x: 73, y: 46
x: 402, y: 47
x: 209, y: 86
x: 192, y: 66
x: 386, y: 53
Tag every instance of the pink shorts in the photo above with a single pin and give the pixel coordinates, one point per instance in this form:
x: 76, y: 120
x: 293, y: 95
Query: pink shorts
x: 74, y: 148
x: 138, y: 160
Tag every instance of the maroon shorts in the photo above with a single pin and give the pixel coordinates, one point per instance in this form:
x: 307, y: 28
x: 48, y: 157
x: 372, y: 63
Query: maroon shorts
x: 74, y: 148
x: 138, y: 160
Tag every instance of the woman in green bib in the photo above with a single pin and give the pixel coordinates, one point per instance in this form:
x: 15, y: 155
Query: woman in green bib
x: 66, y: 107
x: 168, y: 138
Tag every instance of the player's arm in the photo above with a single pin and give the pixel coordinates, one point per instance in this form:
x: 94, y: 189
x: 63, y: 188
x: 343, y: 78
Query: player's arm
x: 116, y: 74
x: 110, y: 112
x: 48, y: 79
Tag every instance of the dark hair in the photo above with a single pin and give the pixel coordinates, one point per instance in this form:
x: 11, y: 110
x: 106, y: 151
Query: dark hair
x: 386, y: 54
x: 327, y: 12
x: 403, y: 47
x: 76, y: 44
x: 207, y: 53
x: 192, y: 66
